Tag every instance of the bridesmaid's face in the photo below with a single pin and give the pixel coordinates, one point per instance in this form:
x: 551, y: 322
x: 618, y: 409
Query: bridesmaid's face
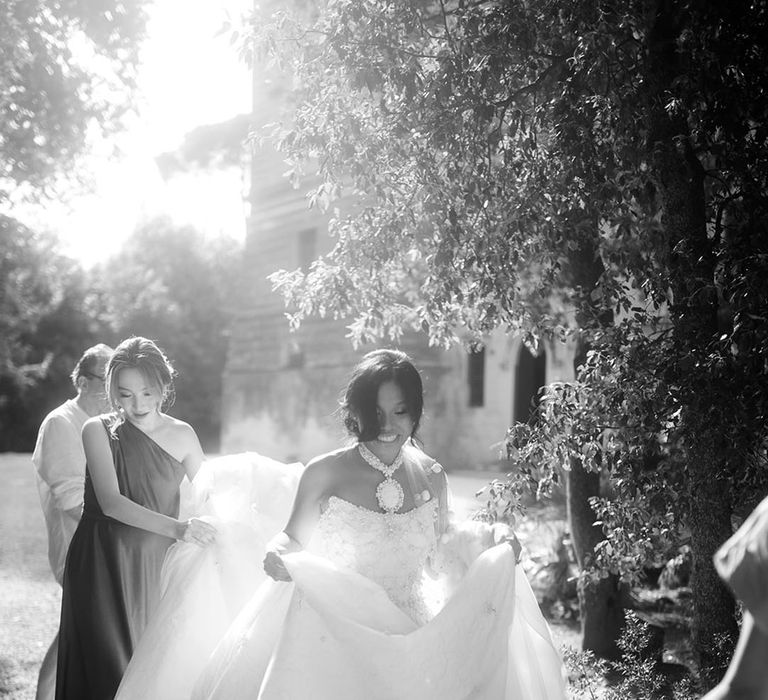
x: 139, y: 399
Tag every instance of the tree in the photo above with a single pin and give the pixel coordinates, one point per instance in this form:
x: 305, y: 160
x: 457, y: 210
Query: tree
x: 67, y: 71
x: 596, y: 169
x: 170, y: 284
x: 45, y: 325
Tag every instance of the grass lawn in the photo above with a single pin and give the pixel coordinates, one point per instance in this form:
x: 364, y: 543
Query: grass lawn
x: 30, y: 598
x: 29, y: 595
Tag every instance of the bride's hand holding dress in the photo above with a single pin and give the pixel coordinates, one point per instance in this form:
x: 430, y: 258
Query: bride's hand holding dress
x: 274, y: 566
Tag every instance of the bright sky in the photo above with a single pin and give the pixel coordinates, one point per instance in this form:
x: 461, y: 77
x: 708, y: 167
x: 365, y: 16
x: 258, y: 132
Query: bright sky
x: 189, y: 77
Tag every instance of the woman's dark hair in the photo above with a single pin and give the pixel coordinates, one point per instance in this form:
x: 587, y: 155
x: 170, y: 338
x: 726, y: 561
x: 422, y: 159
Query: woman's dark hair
x: 144, y: 355
x: 359, y: 403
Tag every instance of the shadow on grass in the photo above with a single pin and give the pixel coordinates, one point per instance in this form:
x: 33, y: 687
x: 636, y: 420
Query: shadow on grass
x: 9, y: 678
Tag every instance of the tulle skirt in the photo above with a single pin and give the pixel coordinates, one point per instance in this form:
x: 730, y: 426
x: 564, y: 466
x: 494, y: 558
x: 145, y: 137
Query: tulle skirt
x: 248, y: 497
x: 225, y: 633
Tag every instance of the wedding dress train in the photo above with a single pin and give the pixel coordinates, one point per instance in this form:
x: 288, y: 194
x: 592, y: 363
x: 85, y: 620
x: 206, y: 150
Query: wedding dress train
x: 380, y: 607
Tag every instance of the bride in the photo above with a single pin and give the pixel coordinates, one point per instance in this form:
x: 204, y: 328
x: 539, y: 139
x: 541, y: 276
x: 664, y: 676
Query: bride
x: 372, y: 591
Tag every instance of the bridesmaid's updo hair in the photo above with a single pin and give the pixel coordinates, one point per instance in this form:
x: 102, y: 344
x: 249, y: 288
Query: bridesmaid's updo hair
x: 359, y: 403
x: 144, y: 355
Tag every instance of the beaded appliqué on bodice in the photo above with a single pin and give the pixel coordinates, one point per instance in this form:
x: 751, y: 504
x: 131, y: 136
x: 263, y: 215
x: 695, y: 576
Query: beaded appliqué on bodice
x: 389, y: 493
x: 390, y: 549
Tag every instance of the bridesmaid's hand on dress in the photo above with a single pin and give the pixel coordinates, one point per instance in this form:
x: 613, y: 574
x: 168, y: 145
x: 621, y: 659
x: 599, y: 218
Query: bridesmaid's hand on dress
x: 198, y: 532
x: 274, y: 566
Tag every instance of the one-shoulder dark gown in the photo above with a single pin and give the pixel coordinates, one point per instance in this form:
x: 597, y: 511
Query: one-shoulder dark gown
x: 112, y: 575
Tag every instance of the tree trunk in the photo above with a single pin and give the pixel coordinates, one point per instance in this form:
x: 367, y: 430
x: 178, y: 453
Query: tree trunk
x: 601, y: 608
x: 679, y: 178
x: 710, y: 524
x: 600, y: 602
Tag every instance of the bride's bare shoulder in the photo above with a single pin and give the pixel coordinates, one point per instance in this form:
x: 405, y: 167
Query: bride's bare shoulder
x: 338, y: 456
x: 330, y: 465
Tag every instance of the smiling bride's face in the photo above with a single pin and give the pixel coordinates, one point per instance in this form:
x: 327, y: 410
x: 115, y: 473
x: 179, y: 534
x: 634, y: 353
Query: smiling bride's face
x: 395, y: 422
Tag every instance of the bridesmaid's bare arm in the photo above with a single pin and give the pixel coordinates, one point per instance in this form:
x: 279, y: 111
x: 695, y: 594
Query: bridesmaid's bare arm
x: 190, y: 450
x: 101, y: 468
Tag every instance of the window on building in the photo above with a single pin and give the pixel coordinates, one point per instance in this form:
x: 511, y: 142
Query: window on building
x: 307, y: 248
x: 476, y: 377
x: 530, y: 377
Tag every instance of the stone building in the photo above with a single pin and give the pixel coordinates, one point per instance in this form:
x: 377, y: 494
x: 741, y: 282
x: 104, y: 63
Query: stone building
x: 281, y: 388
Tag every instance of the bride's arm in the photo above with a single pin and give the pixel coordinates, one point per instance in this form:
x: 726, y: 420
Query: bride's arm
x: 114, y: 504
x: 313, y: 486
x: 460, y: 543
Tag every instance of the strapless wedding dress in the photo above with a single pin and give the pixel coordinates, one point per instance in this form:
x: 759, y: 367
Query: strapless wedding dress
x: 380, y: 607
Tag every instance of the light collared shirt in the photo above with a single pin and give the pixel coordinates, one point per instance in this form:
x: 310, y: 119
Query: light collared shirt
x: 59, y: 459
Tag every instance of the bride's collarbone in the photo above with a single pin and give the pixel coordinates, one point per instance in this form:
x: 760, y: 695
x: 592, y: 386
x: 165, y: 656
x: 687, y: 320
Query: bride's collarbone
x: 362, y: 493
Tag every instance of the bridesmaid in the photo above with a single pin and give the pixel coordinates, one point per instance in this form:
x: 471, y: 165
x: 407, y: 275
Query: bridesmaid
x: 136, y: 458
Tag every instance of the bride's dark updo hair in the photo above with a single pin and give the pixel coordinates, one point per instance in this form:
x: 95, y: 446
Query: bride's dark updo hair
x: 359, y: 403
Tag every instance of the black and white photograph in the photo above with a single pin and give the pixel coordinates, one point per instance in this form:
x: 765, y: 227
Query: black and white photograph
x: 383, y: 350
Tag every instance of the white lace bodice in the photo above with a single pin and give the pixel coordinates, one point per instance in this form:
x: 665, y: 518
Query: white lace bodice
x: 388, y: 549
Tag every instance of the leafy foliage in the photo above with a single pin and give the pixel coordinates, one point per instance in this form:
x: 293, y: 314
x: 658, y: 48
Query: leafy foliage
x: 44, y: 328
x: 168, y: 283
x: 489, y: 144
x: 636, y: 674
x: 171, y: 284
x: 592, y: 169
x: 66, y: 72
x: 451, y: 127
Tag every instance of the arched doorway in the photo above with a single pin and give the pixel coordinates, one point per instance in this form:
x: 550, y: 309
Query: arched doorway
x: 530, y: 377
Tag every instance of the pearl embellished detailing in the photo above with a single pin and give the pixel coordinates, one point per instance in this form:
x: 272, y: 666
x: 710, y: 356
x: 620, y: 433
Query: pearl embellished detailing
x: 388, y: 549
x: 389, y: 493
